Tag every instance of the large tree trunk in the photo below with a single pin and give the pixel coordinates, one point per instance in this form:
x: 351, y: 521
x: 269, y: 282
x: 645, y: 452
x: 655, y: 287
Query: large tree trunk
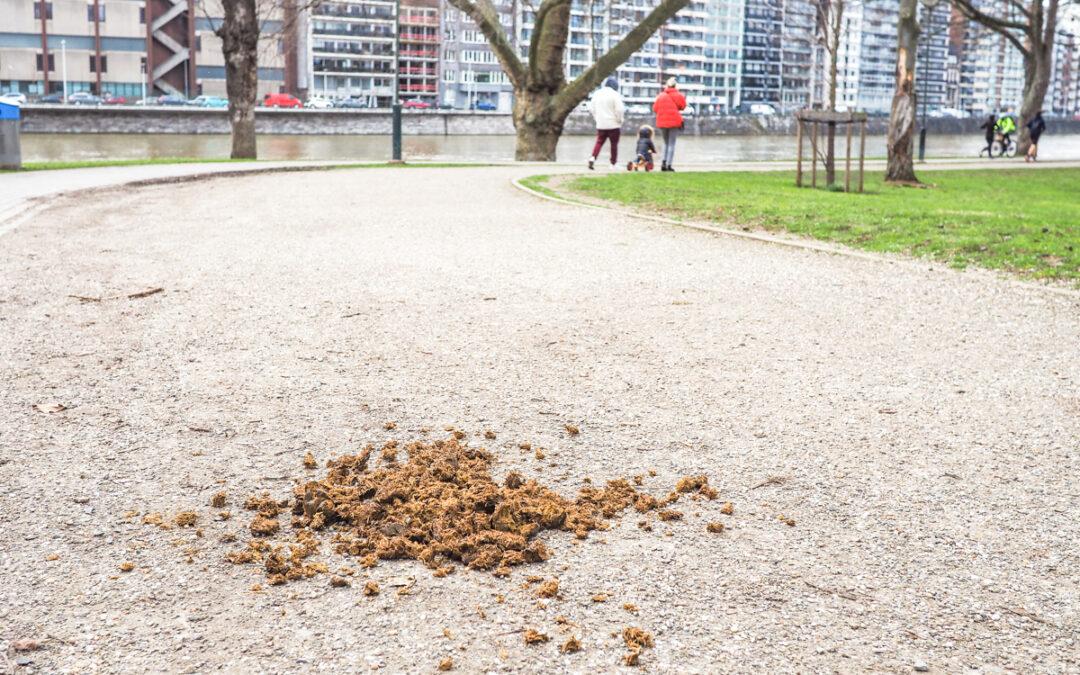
x: 239, y: 33
x: 901, y: 167
x: 542, y: 97
x: 1037, y: 67
x: 538, y: 127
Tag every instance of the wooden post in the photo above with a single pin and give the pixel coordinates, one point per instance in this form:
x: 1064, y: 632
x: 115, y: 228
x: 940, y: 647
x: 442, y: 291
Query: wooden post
x: 862, y: 151
x: 847, y: 167
x: 813, y: 154
x: 798, y: 154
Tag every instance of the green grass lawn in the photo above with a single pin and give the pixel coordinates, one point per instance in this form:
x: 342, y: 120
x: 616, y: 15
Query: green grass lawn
x: 1027, y: 222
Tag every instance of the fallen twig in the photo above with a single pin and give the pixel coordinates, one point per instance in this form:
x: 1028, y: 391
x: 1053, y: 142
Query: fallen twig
x: 129, y: 296
x: 771, y: 480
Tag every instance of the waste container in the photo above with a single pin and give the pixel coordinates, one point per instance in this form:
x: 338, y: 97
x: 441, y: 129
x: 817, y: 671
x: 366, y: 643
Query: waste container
x: 10, y: 152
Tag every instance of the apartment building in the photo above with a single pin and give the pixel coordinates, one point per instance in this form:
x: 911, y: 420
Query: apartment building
x: 1064, y: 95
x: 121, y: 47
x: 471, y: 76
x: 351, y: 49
x: 723, y: 55
x: 419, y: 36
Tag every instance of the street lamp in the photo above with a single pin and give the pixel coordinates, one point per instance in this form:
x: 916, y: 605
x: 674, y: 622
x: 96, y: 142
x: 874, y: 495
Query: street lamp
x: 396, y: 105
x: 929, y: 5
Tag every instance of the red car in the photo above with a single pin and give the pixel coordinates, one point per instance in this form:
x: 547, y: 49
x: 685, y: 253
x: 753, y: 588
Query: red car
x: 114, y: 100
x: 282, y: 101
x: 416, y: 103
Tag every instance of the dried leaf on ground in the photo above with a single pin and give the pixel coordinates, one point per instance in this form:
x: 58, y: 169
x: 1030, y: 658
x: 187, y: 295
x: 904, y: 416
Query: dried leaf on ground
x: 532, y: 637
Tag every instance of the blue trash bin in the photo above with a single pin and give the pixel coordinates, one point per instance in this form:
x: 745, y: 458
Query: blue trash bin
x: 10, y: 152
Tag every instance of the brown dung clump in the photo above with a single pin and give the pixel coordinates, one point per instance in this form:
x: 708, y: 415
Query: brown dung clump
x: 438, y: 507
x: 636, y: 640
x: 715, y: 528
x: 534, y: 638
x: 446, y: 664
x: 571, y: 646
x: 218, y: 500
x: 548, y: 589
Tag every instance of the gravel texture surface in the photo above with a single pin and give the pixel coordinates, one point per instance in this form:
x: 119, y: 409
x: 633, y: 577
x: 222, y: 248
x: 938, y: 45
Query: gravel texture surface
x: 920, y: 427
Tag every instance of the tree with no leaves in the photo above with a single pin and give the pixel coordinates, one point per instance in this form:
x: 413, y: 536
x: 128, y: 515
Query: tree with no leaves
x: 1030, y: 25
x: 901, y: 167
x: 829, y: 16
x: 240, y: 28
x: 542, y: 96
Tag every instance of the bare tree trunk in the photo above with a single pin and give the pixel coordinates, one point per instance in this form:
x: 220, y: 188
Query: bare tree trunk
x: 835, y: 21
x: 538, y: 128
x: 901, y: 167
x: 1036, y: 82
x: 239, y: 33
x: 542, y: 97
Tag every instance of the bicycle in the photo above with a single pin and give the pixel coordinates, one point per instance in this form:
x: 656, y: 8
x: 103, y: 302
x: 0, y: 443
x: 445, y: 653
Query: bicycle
x: 999, y: 148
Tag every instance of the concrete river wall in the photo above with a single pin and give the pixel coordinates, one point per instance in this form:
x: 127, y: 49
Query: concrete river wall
x: 60, y: 119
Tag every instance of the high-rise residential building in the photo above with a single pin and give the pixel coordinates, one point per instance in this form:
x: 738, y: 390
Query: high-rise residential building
x: 777, y: 53
x: 991, y: 70
x: 471, y: 76
x: 351, y: 49
x: 723, y: 54
x: 1063, y: 98
x: 419, y: 38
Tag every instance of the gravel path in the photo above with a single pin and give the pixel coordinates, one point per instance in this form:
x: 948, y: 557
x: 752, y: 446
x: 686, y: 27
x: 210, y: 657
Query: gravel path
x: 921, y: 427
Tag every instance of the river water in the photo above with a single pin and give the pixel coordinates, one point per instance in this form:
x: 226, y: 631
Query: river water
x: 691, y: 150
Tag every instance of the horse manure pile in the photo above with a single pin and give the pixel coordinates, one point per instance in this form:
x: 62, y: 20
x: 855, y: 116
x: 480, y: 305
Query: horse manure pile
x: 441, y: 506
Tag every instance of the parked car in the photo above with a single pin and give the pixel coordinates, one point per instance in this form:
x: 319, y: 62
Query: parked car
x: 84, y: 98
x: 13, y: 98
x: 205, y: 101
x: 109, y: 99
x: 950, y: 113
x: 56, y: 97
x: 762, y: 109
x: 416, y: 104
x: 281, y: 101
x: 319, y: 103
x: 484, y: 105
x: 351, y: 102
x: 171, y: 99
x: 638, y: 109
x: 689, y: 111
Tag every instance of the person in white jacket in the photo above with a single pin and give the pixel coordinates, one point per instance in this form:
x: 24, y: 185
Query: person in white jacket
x: 608, y: 111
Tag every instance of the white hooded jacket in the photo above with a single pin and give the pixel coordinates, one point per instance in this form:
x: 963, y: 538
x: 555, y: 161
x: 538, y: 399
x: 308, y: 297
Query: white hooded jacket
x: 607, y: 108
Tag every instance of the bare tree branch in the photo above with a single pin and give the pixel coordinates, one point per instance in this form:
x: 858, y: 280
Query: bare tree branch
x: 1001, y: 26
x: 577, y: 90
x: 486, y: 18
x: 541, y: 46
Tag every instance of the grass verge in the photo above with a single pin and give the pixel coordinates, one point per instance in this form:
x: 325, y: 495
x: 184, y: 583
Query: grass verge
x: 1025, y: 222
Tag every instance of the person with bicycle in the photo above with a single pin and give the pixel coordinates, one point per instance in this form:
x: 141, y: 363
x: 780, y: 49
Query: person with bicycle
x: 1006, y: 125
x: 990, y: 125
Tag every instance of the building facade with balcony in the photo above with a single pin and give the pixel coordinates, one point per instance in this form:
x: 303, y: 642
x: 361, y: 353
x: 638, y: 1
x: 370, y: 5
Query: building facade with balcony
x: 471, y: 76
x: 351, y: 50
x: 419, y: 39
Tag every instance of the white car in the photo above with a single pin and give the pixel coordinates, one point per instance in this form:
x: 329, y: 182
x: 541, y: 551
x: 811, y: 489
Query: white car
x: 319, y: 103
x: 762, y: 109
x: 953, y: 113
x: 639, y: 109
x: 13, y: 98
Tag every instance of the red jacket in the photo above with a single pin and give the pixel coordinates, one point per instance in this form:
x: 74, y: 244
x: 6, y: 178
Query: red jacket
x: 667, y: 105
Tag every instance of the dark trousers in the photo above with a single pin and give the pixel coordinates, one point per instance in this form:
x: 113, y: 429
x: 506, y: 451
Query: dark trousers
x: 611, y: 135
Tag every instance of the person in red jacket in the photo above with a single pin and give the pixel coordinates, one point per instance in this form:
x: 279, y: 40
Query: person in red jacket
x: 669, y: 120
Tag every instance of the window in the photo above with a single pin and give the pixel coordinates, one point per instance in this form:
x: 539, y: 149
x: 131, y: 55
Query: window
x: 473, y: 37
x: 37, y: 10
x: 449, y: 76
x: 52, y: 62
x: 90, y: 12
x: 104, y: 64
x: 142, y: 15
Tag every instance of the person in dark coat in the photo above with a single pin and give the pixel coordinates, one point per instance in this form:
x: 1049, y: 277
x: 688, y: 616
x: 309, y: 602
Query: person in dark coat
x: 990, y: 125
x: 1035, y: 126
x: 645, y: 151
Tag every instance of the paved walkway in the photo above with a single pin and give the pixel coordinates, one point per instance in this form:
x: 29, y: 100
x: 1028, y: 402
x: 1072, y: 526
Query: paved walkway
x: 917, y: 426
x: 21, y: 192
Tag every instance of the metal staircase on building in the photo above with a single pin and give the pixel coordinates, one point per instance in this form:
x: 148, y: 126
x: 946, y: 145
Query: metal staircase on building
x: 180, y: 54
